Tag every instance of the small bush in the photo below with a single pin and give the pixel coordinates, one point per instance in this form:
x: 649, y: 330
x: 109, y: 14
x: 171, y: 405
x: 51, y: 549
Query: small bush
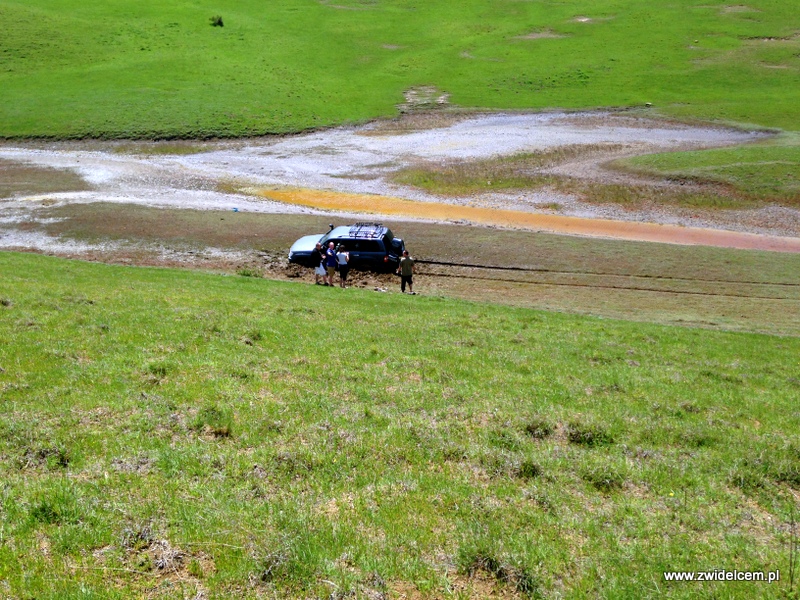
x: 216, y: 21
x: 6, y: 302
x: 588, y: 434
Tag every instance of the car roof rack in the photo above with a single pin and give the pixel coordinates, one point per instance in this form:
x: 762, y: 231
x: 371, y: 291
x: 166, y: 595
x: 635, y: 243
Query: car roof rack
x: 366, y: 230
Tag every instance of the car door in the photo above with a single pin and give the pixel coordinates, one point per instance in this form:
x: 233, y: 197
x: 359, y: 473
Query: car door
x: 354, y: 248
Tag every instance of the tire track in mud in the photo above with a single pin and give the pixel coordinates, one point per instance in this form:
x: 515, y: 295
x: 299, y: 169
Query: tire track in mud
x: 606, y: 286
x: 602, y: 273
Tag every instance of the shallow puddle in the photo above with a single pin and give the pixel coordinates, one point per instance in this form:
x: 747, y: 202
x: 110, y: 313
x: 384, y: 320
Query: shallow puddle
x: 623, y: 230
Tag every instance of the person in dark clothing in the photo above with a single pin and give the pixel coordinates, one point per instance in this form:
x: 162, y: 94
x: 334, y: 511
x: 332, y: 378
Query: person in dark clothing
x: 318, y: 260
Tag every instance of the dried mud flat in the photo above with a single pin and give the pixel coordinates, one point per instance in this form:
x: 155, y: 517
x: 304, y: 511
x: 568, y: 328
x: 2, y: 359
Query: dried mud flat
x: 357, y: 161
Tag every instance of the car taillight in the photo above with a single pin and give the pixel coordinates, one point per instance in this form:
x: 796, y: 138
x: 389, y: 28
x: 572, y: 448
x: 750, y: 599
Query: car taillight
x: 385, y: 259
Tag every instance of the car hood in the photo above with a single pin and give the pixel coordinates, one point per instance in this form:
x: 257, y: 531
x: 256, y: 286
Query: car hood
x: 306, y: 243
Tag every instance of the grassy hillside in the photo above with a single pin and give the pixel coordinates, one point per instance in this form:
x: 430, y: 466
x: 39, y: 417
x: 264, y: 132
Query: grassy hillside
x: 167, y: 433
x: 155, y: 69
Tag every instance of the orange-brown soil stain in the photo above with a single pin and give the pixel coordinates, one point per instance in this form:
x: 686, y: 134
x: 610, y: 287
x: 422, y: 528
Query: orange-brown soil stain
x: 624, y: 230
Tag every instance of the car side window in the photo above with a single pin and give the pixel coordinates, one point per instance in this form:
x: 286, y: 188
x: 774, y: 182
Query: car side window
x: 371, y: 246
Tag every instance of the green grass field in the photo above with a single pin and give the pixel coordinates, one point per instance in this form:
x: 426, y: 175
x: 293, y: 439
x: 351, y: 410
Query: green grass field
x: 152, y: 69
x: 167, y: 433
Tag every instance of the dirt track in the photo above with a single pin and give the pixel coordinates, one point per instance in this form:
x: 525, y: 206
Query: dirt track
x: 357, y: 160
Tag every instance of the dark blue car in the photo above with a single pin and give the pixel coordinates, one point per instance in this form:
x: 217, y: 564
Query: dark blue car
x: 372, y: 246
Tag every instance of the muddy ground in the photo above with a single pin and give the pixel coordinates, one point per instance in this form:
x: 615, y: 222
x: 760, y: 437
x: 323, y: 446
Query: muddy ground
x: 359, y: 160
x: 181, y: 204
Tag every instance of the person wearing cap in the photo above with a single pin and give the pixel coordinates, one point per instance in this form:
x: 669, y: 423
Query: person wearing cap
x: 406, y: 270
x: 343, y: 258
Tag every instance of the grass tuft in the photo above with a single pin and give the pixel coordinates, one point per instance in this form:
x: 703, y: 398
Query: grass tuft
x: 603, y: 478
x: 59, y: 506
x: 529, y: 470
x: 539, y: 428
x: 588, y: 434
x: 474, y: 561
x: 213, y: 420
x: 250, y: 272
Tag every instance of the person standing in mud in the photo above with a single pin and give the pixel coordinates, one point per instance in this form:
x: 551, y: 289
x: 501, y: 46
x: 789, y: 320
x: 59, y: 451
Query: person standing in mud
x: 318, y: 260
x: 343, y: 258
x: 406, y: 271
x: 330, y: 263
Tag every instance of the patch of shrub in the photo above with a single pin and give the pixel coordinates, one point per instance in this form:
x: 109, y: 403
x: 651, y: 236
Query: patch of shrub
x: 504, y: 439
x: 6, y: 302
x: 294, y: 463
x: 588, y: 434
x: 696, y: 438
x: 214, y: 420
x: 54, y: 457
x: 195, y: 569
x: 789, y: 473
x: 454, y: 453
x: 156, y: 372
x: 251, y: 337
x: 273, y: 566
x: 529, y: 470
x: 539, y: 428
x: 747, y: 479
x: 249, y: 272
x: 216, y: 21
x: 56, y: 508
x: 521, y: 579
x: 137, y: 537
x: 603, y: 479
x: 779, y: 465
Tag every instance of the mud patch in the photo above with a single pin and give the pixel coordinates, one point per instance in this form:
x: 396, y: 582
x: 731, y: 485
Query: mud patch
x: 737, y: 8
x: 414, y: 122
x: 423, y: 98
x: 646, y: 232
x: 547, y: 34
x: 176, y: 148
x: 18, y: 179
